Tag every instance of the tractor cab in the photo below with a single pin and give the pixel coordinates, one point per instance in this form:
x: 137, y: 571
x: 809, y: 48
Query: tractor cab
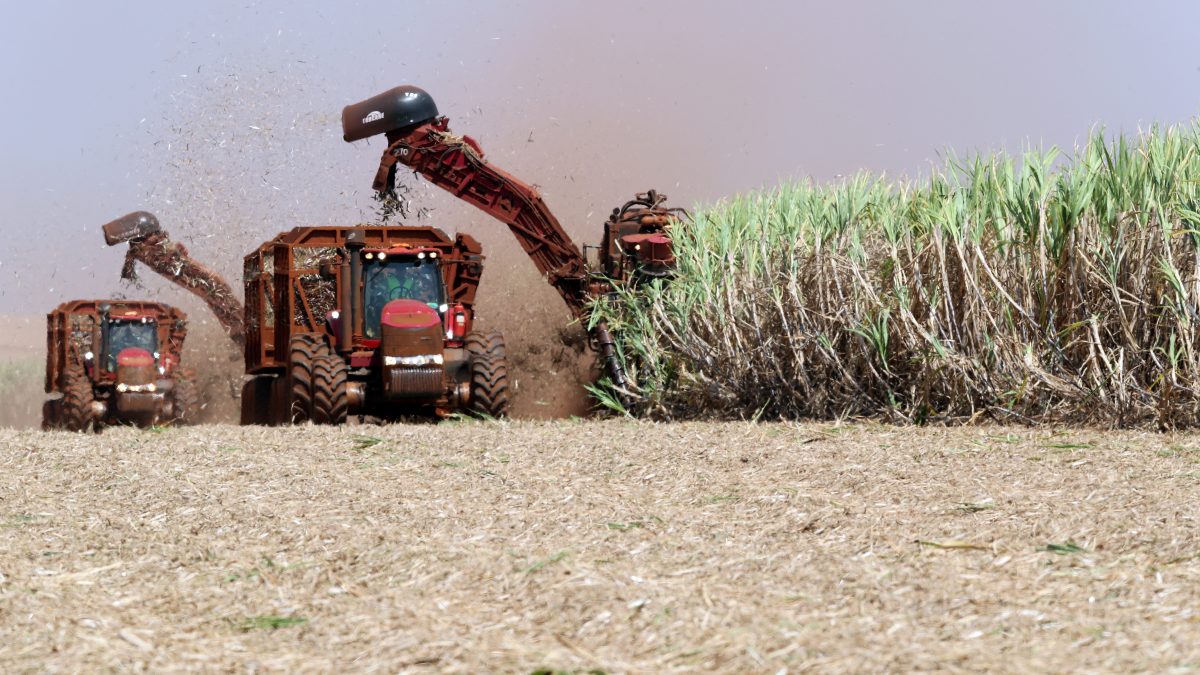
x: 128, y: 336
x: 406, y: 274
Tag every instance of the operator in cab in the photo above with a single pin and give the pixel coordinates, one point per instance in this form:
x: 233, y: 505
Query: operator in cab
x: 125, y: 334
x: 398, y: 279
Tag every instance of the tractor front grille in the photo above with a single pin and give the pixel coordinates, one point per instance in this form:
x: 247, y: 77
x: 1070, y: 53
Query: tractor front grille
x: 413, y: 383
x: 136, y: 374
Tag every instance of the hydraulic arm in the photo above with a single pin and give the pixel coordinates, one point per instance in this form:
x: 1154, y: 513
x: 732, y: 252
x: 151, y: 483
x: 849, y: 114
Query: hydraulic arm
x: 149, y: 244
x: 456, y: 164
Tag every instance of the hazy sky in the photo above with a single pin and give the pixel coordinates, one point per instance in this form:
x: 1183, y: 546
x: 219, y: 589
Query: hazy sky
x: 223, y: 117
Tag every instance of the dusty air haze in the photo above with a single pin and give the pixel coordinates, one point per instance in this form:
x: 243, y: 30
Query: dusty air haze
x: 223, y: 118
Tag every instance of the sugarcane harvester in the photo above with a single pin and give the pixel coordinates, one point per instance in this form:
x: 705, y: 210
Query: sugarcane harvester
x: 636, y: 245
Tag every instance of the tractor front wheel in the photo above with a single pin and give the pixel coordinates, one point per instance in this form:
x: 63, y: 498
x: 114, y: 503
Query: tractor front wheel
x: 77, y: 411
x: 489, y: 374
x: 305, y: 348
x: 329, y: 401
x: 185, y: 399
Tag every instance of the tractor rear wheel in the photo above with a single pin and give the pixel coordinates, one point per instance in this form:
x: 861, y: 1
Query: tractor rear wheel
x: 489, y: 374
x: 77, y: 411
x: 305, y: 348
x: 329, y: 402
x: 185, y: 399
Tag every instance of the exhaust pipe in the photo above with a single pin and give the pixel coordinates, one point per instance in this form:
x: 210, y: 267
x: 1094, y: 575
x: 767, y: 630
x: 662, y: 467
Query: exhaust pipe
x: 354, y: 245
x: 346, y: 308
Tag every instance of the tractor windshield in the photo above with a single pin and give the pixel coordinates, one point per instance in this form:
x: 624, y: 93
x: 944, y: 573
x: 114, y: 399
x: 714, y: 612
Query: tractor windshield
x: 125, y: 334
x: 395, y: 279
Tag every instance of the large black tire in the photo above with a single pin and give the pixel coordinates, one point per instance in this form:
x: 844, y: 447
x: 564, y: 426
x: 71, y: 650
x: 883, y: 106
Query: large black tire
x: 489, y: 374
x: 77, y: 411
x: 185, y: 399
x: 305, y: 348
x: 329, y: 402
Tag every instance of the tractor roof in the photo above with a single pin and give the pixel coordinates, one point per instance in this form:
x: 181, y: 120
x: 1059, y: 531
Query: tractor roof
x: 374, y: 237
x: 123, y: 309
x: 402, y: 249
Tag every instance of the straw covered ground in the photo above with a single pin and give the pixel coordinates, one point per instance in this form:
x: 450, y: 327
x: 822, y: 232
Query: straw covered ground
x: 618, y: 546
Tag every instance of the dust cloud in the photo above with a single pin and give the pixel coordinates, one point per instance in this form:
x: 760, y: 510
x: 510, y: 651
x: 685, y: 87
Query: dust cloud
x: 245, y: 154
x: 237, y: 164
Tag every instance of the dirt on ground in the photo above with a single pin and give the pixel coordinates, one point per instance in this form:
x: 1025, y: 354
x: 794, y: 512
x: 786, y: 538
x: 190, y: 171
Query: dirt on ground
x: 549, y: 359
x: 619, y: 546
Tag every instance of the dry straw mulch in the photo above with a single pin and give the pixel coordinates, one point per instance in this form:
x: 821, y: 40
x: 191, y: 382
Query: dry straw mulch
x: 621, y: 546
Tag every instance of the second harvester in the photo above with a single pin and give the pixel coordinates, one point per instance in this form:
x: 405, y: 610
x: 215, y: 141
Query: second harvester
x: 114, y: 362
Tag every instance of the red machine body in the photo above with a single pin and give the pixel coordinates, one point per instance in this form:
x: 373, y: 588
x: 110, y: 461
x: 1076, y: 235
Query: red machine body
x: 368, y: 320
x: 116, y: 362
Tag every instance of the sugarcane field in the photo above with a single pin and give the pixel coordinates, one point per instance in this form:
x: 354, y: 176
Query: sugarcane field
x: 597, y: 338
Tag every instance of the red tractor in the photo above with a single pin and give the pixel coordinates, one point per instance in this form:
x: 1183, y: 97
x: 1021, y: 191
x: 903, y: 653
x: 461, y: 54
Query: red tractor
x: 372, y: 321
x: 116, y: 362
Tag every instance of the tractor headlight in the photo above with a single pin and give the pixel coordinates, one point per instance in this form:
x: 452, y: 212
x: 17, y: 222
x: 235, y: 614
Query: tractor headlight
x: 414, y: 361
x: 382, y: 255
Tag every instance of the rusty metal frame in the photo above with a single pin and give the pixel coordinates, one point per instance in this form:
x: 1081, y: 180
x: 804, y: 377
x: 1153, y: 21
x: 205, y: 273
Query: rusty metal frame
x: 267, y: 341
